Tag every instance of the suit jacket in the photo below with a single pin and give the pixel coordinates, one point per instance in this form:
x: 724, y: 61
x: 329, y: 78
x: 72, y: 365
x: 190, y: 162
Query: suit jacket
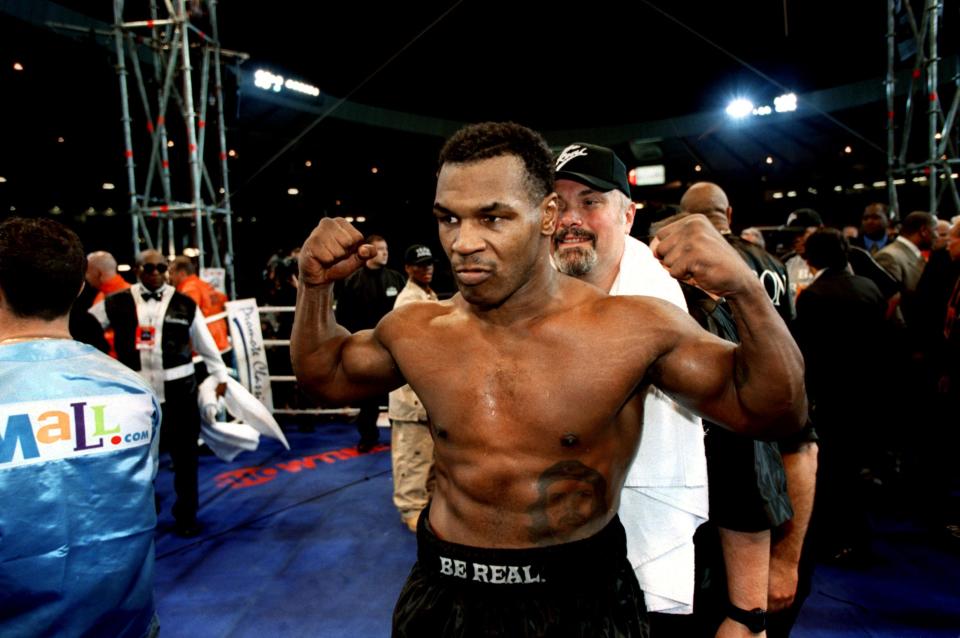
x: 905, y: 266
x: 902, y: 263
x: 840, y: 328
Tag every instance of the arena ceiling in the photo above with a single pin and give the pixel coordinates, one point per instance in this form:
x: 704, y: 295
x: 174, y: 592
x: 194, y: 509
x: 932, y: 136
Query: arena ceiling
x: 650, y: 78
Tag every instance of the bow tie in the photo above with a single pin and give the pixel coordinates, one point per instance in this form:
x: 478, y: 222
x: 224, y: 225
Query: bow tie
x: 156, y: 295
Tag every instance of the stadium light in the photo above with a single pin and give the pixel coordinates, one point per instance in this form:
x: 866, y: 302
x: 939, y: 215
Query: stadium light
x: 739, y: 108
x: 785, y: 103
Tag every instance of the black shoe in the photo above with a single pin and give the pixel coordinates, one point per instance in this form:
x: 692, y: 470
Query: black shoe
x: 365, y: 446
x: 190, y: 529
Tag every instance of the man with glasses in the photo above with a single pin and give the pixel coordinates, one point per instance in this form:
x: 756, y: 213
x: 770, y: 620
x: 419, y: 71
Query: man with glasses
x: 156, y: 330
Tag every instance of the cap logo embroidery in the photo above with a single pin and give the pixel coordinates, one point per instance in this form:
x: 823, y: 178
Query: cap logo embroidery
x: 569, y: 153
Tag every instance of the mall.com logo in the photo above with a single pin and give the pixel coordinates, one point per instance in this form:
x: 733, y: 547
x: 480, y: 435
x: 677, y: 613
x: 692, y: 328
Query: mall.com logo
x: 40, y: 431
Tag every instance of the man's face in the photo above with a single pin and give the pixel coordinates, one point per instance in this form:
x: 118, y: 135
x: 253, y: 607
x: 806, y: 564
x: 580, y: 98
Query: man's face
x: 571, y: 504
x: 489, y: 227
x: 380, y: 259
x: 874, y: 222
x: 420, y: 273
x: 942, y: 234
x: 92, y: 275
x: 590, y: 230
x: 927, y: 236
x: 176, y: 276
x: 149, y: 271
x: 953, y: 242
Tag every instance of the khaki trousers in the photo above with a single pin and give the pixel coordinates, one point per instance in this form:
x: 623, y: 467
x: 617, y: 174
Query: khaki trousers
x: 411, y: 451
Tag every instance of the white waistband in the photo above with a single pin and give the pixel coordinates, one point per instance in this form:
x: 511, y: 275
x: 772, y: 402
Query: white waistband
x: 171, y: 374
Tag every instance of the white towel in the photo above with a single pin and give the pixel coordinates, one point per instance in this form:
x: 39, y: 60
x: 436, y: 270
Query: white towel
x: 227, y: 440
x: 665, y: 496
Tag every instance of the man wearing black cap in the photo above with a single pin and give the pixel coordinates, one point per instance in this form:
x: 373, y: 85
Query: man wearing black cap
x: 411, y: 447
x: 664, y: 499
x: 364, y: 298
x: 531, y: 380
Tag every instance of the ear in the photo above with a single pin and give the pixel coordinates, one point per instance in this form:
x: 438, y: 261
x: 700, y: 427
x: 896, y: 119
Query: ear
x: 549, y: 212
x: 628, y: 216
x: 729, y: 215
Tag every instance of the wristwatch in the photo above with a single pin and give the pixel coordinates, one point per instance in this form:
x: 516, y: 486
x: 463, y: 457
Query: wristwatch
x: 755, y: 619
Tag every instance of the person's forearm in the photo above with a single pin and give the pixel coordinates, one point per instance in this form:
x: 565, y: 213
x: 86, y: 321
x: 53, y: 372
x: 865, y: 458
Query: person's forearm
x: 768, y: 369
x: 746, y: 556
x: 801, y: 470
x: 316, y: 339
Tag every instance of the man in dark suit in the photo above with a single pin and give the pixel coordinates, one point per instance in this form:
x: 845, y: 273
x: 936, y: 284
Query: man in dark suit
x: 840, y: 321
x: 874, y: 228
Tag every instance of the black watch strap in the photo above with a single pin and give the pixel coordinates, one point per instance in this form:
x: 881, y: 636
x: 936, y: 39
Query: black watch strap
x: 755, y: 620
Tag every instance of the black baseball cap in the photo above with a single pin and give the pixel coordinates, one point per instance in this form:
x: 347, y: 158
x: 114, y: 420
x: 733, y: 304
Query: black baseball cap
x: 596, y: 166
x: 417, y: 254
x: 804, y: 218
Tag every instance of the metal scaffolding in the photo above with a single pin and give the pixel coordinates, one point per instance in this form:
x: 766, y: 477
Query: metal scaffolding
x: 933, y: 158
x: 163, y: 209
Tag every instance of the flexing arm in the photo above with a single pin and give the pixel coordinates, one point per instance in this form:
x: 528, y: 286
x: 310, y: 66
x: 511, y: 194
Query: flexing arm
x: 755, y: 388
x: 801, y: 468
x: 330, y: 363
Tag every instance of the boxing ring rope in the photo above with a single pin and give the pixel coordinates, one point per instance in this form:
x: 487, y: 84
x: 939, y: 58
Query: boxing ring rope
x: 278, y: 378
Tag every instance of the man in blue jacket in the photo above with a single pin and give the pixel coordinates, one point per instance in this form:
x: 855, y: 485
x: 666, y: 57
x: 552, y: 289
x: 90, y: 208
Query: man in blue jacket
x: 78, y: 454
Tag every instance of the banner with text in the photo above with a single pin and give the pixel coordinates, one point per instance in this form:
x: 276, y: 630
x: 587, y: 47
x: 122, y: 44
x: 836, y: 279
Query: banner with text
x: 251, y: 356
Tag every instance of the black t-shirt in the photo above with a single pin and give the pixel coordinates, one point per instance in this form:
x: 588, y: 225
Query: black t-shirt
x: 770, y: 270
x: 748, y: 485
x: 367, y: 295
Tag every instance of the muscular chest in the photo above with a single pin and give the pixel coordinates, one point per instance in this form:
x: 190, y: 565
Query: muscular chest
x: 522, y: 386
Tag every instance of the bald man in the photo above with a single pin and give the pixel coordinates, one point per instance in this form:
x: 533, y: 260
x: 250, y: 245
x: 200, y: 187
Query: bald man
x: 157, y: 330
x: 102, y: 275
x: 709, y: 199
x: 788, y: 579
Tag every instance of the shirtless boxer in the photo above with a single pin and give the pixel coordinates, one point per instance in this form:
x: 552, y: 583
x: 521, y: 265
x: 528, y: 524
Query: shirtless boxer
x: 528, y: 376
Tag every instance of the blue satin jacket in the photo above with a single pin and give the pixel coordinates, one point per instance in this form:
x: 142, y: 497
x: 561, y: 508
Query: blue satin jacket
x: 79, y: 434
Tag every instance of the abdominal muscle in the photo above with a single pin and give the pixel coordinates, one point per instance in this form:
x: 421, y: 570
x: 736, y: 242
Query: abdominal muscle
x: 532, y: 490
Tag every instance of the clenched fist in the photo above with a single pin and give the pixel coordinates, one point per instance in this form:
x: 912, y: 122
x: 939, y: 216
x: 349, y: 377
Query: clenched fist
x: 695, y: 252
x: 333, y: 251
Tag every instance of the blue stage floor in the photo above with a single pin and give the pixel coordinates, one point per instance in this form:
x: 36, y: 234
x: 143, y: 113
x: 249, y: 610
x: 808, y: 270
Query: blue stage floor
x: 307, y: 542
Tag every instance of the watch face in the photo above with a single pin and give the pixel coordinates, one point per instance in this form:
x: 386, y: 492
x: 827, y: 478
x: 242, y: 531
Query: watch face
x: 758, y: 621
x: 755, y: 620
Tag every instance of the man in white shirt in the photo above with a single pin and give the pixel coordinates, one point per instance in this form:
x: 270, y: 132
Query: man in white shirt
x: 156, y: 330
x: 411, y: 446
x: 664, y: 498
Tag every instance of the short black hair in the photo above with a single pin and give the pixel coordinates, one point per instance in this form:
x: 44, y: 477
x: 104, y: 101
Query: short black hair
x: 487, y: 140
x: 42, y: 264
x: 917, y: 221
x: 826, y: 248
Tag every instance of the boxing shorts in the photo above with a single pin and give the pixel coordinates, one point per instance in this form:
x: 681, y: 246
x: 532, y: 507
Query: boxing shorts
x: 583, y: 588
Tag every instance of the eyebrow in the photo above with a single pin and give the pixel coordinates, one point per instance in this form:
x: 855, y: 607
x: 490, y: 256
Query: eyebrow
x: 489, y: 208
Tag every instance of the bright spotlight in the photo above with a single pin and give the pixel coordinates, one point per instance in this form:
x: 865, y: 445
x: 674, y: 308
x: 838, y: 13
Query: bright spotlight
x: 785, y: 103
x: 740, y: 108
